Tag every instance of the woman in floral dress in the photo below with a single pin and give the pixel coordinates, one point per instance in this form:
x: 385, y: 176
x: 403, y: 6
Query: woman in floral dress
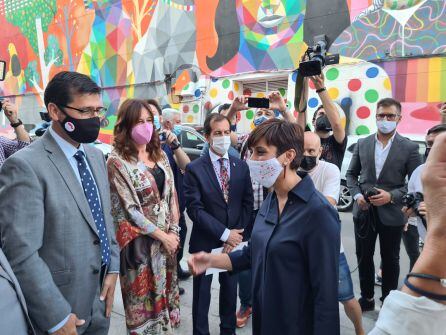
x: 145, y: 212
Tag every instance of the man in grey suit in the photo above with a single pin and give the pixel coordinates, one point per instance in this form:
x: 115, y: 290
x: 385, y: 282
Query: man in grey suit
x: 14, y: 317
x: 380, y: 165
x: 55, y: 223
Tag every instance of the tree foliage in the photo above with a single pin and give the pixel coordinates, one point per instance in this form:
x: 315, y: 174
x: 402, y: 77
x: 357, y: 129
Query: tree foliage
x: 23, y: 14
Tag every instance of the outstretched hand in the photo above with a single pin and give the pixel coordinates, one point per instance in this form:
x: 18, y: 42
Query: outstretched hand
x: 199, y: 263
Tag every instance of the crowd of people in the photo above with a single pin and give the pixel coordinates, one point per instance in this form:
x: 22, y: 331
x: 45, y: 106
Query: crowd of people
x: 263, y: 212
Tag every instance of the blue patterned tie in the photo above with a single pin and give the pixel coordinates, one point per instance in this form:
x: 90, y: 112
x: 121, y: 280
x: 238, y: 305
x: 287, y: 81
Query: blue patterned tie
x: 92, y: 195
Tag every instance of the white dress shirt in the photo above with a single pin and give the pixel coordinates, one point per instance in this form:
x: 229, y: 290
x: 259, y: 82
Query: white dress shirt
x: 215, y: 159
x: 381, y: 154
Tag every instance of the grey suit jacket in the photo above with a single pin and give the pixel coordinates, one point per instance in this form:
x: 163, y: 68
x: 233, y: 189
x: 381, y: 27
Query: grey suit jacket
x: 402, y: 160
x: 48, y: 233
x: 14, y: 317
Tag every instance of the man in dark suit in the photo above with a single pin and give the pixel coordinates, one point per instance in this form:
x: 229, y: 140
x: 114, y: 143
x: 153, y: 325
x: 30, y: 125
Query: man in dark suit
x: 219, y: 201
x: 380, y: 165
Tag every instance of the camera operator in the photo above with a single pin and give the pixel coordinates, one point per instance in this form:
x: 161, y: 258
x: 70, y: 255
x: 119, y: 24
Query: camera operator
x: 419, y: 308
x: 376, y: 178
x: 7, y: 146
x: 326, y: 121
x: 415, y: 184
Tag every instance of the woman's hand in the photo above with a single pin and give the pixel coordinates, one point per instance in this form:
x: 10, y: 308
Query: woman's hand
x: 199, y: 263
x: 171, y: 242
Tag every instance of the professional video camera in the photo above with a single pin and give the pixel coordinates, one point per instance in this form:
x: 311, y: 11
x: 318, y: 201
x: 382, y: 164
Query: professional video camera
x: 317, y: 58
x: 412, y: 201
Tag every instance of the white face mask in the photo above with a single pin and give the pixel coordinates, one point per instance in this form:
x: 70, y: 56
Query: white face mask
x: 385, y: 126
x: 221, y: 144
x: 265, y: 172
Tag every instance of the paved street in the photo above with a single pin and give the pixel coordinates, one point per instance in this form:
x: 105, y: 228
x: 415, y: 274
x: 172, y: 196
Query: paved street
x: 118, y: 323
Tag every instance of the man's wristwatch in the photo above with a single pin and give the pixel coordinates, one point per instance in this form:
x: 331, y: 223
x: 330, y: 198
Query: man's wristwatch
x: 321, y: 90
x: 16, y: 124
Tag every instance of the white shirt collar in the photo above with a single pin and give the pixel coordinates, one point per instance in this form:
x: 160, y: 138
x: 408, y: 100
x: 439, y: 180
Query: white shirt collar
x: 68, y: 149
x: 215, y: 157
x: 391, y: 139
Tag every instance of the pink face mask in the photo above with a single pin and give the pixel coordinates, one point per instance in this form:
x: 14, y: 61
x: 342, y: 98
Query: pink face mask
x: 142, y: 133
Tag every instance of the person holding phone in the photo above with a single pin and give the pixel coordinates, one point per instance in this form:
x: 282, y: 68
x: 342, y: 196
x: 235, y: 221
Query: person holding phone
x: 7, y: 146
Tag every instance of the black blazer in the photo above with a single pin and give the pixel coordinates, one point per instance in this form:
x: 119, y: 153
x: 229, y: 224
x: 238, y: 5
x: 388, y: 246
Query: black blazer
x: 205, y: 204
x: 402, y: 160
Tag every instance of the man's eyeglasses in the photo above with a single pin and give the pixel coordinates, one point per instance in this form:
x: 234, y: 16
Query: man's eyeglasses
x: 92, y: 112
x: 389, y: 117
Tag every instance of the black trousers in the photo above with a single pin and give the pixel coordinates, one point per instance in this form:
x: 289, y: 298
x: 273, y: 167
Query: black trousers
x: 411, y: 243
x: 202, y: 299
x: 367, y: 229
x: 183, y: 233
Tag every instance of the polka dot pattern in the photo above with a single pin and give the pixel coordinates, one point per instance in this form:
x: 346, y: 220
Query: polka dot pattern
x: 196, y: 108
x: 332, y: 74
x: 333, y: 92
x: 226, y: 83
x: 186, y: 108
x: 213, y: 93
x: 371, y: 96
x: 363, y: 112
x: 231, y: 95
x: 247, y: 92
x: 92, y: 195
x: 190, y: 119
x: 250, y: 114
x: 372, y: 72
x: 354, y: 85
x: 362, y: 130
x: 313, y: 102
x: 197, y: 93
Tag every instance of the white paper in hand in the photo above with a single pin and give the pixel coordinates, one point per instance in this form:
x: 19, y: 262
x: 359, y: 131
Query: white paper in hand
x: 212, y: 271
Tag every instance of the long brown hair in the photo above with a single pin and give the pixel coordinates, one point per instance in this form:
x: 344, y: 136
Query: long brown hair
x: 128, y: 116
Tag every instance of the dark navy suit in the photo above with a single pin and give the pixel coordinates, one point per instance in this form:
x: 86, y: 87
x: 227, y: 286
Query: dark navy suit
x: 294, y: 261
x: 211, y: 215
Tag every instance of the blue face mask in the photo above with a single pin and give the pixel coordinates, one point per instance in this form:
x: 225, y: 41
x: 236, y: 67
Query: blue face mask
x: 177, y: 130
x: 156, y: 122
x: 258, y: 121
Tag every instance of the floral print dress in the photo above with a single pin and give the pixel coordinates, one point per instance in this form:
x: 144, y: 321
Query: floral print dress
x: 148, y: 275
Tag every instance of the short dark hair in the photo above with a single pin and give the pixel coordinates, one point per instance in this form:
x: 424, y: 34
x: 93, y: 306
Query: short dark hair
x: 223, y: 107
x: 66, y: 84
x: 439, y: 128
x: 157, y: 105
x: 283, y: 135
x: 388, y: 102
x: 207, y: 127
x: 317, y: 110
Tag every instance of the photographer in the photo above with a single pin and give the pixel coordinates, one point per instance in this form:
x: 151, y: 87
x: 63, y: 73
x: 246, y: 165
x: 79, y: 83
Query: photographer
x: 326, y: 121
x: 7, y: 146
x: 415, y: 184
x: 420, y: 306
x: 376, y: 178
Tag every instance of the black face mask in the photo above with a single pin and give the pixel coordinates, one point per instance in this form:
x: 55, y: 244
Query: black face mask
x: 81, y: 130
x: 323, y: 124
x: 426, y: 153
x: 308, y: 163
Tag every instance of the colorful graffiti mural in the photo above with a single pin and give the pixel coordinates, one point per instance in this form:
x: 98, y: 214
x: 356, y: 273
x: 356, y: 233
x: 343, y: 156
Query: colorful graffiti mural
x: 199, y: 48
